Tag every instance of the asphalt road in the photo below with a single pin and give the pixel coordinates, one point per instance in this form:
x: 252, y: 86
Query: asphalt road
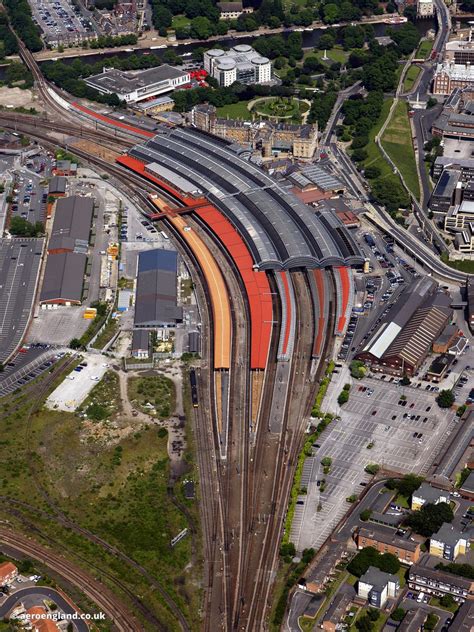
x: 42, y: 592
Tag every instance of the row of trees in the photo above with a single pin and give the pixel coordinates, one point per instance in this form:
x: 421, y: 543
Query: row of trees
x: 371, y: 557
x: 110, y: 41
x: 21, y: 19
x: 21, y: 227
x: 8, y: 43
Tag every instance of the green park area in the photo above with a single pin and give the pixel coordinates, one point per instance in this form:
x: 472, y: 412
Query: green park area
x: 411, y: 77
x: 180, y: 22
x: 397, y: 143
x: 109, y: 479
x: 335, y: 54
x: 284, y: 109
x: 424, y: 49
x: 235, y: 111
x: 375, y: 157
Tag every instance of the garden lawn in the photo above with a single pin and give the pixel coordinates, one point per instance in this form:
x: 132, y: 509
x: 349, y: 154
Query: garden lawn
x: 410, y: 78
x: 336, y: 54
x: 235, y: 110
x: 375, y: 156
x: 424, y: 49
x: 180, y: 22
x: 398, y: 144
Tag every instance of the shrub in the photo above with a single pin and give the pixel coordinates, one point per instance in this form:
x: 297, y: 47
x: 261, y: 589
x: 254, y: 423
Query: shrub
x: 398, y: 614
x: 365, y: 515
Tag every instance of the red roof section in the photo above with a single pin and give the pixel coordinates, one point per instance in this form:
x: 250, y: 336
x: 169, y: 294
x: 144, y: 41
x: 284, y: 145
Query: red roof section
x: 111, y: 121
x: 256, y: 284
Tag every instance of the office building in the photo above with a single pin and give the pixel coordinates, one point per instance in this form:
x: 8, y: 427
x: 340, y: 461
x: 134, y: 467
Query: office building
x: 133, y: 86
x: 449, y: 75
x: 242, y: 63
x: 376, y: 587
x: 386, y: 540
x: 443, y: 195
x: 448, y: 543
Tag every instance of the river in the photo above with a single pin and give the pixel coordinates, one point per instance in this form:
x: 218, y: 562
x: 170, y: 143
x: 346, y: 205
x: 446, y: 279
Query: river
x: 310, y: 40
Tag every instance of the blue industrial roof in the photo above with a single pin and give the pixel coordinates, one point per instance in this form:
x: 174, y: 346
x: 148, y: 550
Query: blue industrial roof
x: 158, y: 259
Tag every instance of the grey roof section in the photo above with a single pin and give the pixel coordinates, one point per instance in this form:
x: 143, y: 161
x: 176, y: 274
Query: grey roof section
x: 377, y: 578
x: 449, y: 579
x: 387, y: 535
x: 72, y: 224
x: 280, y: 230
x: 63, y: 277
x: 156, y: 294
x: 57, y: 184
x: 447, y: 534
x: 140, y: 339
x: 412, y: 621
x: 123, y: 82
x: 338, y: 607
x: 464, y: 619
x: 468, y: 485
x: 321, y: 178
x: 428, y: 493
x: 446, y: 184
x: 173, y: 178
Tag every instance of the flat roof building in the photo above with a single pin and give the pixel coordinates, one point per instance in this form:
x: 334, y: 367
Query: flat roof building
x: 241, y: 63
x: 133, y: 86
x: 156, y: 293
x: 443, y: 194
x: 72, y: 225
x: 63, y: 279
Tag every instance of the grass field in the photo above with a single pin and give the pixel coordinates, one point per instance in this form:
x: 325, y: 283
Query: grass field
x: 114, y: 484
x: 104, y: 400
x: 397, y: 143
x: 335, y: 54
x: 424, y: 49
x: 375, y: 156
x: 180, y: 22
x: 154, y: 395
x: 235, y: 110
x: 463, y: 266
x: 410, y: 78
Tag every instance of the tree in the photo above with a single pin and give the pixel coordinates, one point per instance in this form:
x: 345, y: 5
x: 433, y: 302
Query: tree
x: 447, y: 601
x: 331, y: 13
x: 406, y: 485
x: 357, y: 368
x: 359, y: 155
x: 389, y: 563
x: 343, y: 397
x: 390, y: 193
x: 364, y: 624
x: 326, y: 461
x: 365, y: 515
x: 373, y: 614
x: 429, y: 518
x: 75, y: 343
x: 201, y: 28
x: 405, y: 381
x: 463, y: 570
x: 431, y: 621
x: 372, y: 468
x: 361, y: 562
x: 326, y: 41
x: 371, y: 172
x: 23, y: 228
x: 287, y: 549
x: 398, y: 614
x: 445, y: 398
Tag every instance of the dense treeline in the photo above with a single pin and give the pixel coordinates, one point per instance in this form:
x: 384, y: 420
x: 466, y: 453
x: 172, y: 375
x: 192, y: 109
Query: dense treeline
x: 8, y: 43
x: 203, y: 15
x: 21, y: 20
x: 110, y: 41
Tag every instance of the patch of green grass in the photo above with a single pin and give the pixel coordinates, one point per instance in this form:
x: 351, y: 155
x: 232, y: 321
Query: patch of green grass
x: 235, y: 111
x: 397, y: 143
x: 434, y: 601
x: 285, y: 109
x: 154, y: 395
x: 180, y: 22
x: 424, y: 49
x: 402, y: 571
x: 410, y: 77
x: 104, y: 400
x: 375, y: 156
x: 402, y: 501
x: 462, y: 266
x: 336, y: 54
x: 107, y: 334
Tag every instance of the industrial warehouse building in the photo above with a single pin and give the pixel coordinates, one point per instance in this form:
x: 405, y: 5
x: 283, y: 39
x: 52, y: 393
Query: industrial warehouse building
x: 63, y: 279
x: 133, y: 86
x: 404, y: 338
x: 67, y: 251
x: 72, y: 225
x: 156, y: 301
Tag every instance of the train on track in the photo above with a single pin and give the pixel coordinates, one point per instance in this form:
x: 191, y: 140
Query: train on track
x: 194, y: 393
